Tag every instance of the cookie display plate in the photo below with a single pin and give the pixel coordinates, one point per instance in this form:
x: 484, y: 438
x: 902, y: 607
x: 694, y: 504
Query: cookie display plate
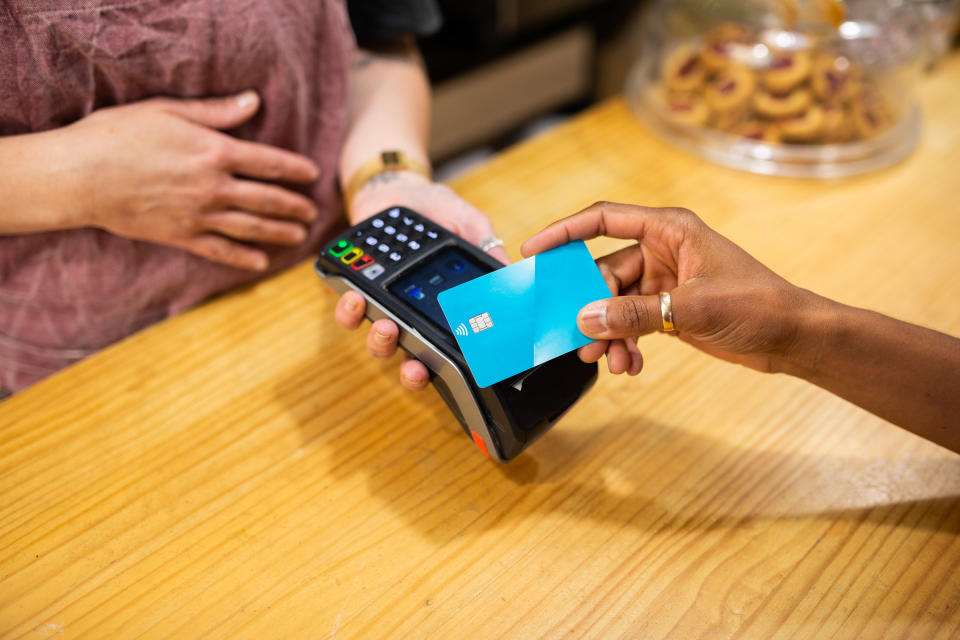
x: 783, y: 159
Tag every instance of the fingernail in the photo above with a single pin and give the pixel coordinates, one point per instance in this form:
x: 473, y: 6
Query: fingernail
x: 593, y: 318
x: 246, y: 98
x: 409, y: 381
x: 381, y: 337
x: 260, y: 263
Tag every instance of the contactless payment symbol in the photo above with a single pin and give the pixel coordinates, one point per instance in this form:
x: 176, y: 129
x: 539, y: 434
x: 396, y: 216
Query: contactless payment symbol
x: 481, y: 322
x: 461, y: 330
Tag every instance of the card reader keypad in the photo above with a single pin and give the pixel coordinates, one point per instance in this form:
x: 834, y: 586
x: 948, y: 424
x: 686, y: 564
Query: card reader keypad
x: 387, y: 240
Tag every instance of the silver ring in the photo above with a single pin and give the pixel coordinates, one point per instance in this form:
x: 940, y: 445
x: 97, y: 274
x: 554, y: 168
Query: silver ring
x: 489, y: 243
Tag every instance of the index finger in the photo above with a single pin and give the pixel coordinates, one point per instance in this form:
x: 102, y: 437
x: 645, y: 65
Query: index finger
x: 258, y: 160
x: 599, y: 219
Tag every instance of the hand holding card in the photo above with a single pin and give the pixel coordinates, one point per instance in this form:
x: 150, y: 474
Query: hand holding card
x: 525, y: 314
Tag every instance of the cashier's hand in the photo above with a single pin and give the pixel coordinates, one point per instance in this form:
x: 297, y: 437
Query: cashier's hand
x: 435, y: 201
x: 724, y: 301
x: 159, y: 170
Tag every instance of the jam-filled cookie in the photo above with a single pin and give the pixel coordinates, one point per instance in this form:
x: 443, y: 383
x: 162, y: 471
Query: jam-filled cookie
x: 834, y: 78
x: 787, y: 69
x: 805, y: 127
x: 728, y: 120
x: 721, y: 41
x: 683, y: 70
x: 781, y: 105
x: 687, y: 108
x: 757, y: 130
x: 837, y: 124
x: 731, y: 90
x: 870, y: 115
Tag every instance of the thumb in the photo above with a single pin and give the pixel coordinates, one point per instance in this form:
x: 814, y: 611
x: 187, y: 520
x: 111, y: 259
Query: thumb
x: 620, y: 317
x: 216, y: 113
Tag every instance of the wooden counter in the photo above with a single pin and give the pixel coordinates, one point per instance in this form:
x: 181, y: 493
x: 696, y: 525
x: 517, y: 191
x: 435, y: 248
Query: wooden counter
x: 246, y: 470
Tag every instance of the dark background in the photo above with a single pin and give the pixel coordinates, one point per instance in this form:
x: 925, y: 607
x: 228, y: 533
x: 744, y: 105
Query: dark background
x: 503, y: 69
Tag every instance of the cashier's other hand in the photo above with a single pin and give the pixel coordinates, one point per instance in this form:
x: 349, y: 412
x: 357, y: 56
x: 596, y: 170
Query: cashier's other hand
x: 724, y: 301
x: 160, y: 170
x: 435, y: 201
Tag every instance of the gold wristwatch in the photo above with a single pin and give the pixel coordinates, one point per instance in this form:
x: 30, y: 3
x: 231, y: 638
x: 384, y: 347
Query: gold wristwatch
x: 384, y: 162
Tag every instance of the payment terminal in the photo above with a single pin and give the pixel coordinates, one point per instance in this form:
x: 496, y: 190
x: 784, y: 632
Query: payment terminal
x: 399, y: 261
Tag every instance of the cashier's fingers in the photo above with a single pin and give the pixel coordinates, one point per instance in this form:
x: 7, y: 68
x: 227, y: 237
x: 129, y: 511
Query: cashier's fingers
x: 220, y: 249
x: 614, y: 220
x: 500, y: 254
x: 246, y: 226
x: 476, y: 227
x: 265, y: 162
x: 414, y: 374
x: 350, y: 310
x: 268, y: 199
x: 382, y: 339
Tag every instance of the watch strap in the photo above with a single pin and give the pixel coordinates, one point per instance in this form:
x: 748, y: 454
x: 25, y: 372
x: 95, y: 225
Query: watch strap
x: 383, y: 162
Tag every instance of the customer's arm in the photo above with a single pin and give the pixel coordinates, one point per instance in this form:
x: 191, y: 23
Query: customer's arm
x: 733, y: 307
x: 907, y: 374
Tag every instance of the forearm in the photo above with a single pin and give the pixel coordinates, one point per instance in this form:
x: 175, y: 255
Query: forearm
x: 901, y: 372
x: 37, y: 184
x: 389, y: 108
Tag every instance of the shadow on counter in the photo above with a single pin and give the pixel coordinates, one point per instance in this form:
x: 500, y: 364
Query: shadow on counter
x: 635, y: 473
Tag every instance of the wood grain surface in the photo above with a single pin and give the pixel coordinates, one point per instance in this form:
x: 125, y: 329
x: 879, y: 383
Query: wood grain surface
x: 245, y: 470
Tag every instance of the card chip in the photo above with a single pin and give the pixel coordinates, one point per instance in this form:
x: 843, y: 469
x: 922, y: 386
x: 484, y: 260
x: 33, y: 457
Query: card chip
x: 481, y: 322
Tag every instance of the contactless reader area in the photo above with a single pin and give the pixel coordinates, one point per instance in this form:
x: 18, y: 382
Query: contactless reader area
x: 443, y: 270
x: 400, y: 261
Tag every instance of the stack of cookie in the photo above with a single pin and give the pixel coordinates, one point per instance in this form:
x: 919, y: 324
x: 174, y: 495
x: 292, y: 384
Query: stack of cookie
x: 738, y: 84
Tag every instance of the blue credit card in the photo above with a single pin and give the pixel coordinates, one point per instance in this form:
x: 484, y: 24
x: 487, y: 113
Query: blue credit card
x: 525, y: 314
